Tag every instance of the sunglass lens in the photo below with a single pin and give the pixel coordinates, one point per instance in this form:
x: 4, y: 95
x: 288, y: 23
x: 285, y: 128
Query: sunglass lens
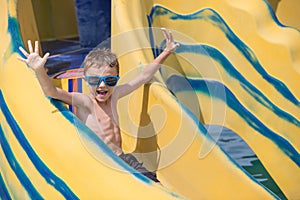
x: 111, y: 81
x: 93, y: 80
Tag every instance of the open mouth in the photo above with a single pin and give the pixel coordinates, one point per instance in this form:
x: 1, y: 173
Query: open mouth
x: 101, y: 92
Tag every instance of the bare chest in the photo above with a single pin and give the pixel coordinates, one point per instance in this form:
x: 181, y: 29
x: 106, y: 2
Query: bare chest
x: 104, y: 116
x: 103, y: 120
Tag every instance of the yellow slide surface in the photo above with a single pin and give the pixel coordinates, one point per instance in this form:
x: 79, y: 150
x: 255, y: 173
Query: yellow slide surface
x: 236, y: 67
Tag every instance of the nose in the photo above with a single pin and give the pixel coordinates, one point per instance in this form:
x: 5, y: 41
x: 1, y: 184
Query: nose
x: 102, y: 84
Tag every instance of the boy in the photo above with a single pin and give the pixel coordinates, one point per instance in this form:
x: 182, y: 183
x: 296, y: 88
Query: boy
x: 98, y: 110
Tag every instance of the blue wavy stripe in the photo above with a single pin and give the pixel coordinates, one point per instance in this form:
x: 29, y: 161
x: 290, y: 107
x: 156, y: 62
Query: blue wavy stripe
x: 42, y: 168
x: 219, y: 91
x: 229, y: 68
x: 216, y: 20
x: 4, y: 194
x: 151, y: 37
x: 273, y: 15
x: 15, y: 166
x: 14, y: 30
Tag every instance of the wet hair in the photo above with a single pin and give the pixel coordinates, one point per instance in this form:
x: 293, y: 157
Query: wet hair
x: 99, y: 58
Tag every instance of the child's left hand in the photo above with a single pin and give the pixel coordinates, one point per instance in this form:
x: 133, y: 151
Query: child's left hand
x: 170, y: 44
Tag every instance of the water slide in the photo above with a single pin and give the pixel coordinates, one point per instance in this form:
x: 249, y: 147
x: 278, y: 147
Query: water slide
x: 236, y: 67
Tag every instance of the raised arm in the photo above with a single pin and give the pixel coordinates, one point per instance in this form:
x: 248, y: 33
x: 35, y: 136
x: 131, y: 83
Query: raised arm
x: 37, y: 63
x: 147, y: 74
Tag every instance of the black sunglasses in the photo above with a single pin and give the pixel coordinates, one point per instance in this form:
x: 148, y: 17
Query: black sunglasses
x: 109, y: 81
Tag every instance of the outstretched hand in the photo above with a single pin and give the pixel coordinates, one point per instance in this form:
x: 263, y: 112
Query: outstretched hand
x: 170, y: 44
x: 33, y: 59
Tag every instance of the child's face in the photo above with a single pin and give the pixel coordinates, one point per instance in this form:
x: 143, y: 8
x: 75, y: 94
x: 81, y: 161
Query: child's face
x: 101, y: 92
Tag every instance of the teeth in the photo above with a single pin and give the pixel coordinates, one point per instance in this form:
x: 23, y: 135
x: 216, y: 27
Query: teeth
x: 101, y: 92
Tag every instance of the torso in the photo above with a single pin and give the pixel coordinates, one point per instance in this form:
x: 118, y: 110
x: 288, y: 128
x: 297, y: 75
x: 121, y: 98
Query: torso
x: 103, y: 121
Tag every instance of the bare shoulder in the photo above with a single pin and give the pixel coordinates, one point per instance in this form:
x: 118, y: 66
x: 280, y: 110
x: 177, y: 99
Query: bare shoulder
x: 81, y: 100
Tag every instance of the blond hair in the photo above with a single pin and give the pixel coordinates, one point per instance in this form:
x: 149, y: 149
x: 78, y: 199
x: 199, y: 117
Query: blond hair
x: 99, y: 58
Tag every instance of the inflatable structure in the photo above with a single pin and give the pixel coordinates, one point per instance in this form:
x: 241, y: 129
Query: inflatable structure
x: 237, y: 67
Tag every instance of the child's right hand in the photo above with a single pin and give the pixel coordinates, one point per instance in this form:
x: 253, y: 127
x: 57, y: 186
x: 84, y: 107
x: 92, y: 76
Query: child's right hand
x: 33, y: 59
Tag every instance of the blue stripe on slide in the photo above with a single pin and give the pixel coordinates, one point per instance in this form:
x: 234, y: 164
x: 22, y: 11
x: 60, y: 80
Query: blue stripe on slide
x: 4, y: 194
x: 211, y: 16
x: 42, y: 168
x: 15, y: 166
x: 217, y: 90
x: 230, y: 69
